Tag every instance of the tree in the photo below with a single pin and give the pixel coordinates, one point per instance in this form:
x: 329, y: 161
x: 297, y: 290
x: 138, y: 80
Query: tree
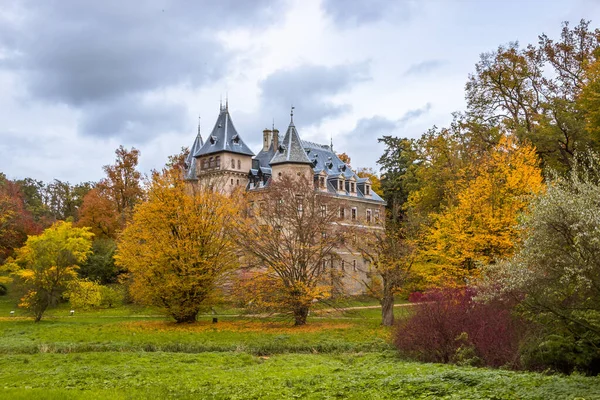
x: 47, y: 265
x: 177, y: 247
x: 481, y: 227
x: 99, y: 213
x: 122, y: 183
x: 16, y: 222
x: 391, y: 255
x: 345, y: 158
x: 555, y: 273
x: 100, y: 265
x: 290, y: 238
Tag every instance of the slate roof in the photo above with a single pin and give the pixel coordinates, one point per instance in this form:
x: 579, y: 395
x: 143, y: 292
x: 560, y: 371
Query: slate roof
x: 324, y: 159
x: 264, y: 157
x: 190, y: 161
x: 290, y: 149
x: 224, y: 137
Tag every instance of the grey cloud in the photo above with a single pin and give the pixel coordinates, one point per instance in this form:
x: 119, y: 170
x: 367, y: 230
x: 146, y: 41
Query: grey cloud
x: 308, y: 88
x: 349, y: 13
x: 424, y: 67
x: 134, y: 118
x: 414, y: 114
x: 361, y: 143
x: 88, y: 54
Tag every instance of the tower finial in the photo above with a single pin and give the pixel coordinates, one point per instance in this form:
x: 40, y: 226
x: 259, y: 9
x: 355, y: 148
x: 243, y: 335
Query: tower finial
x: 199, y: 126
x: 220, y: 102
x: 273, y: 126
x: 292, y: 115
x: 331, y: 142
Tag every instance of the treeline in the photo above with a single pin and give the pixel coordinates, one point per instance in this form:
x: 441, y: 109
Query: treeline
x: 29, y: 206
x: 500, y: 209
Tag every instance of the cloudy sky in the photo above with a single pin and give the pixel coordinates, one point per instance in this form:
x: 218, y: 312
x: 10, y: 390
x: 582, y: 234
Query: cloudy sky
x: 78, y: 78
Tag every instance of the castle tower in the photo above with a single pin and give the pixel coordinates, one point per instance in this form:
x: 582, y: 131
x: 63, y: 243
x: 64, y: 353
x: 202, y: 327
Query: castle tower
x: 223, y: 161
x: 290, y: 157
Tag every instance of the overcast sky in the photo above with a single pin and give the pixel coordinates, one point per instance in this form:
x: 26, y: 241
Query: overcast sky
x: 78, y: 78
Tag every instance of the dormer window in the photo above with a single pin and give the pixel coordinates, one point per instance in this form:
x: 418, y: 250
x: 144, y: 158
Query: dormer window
x: 341, y: 185
x: 322, y: 182
x: 213, y: 139
x: 236, y: 139
x: 367, y: 190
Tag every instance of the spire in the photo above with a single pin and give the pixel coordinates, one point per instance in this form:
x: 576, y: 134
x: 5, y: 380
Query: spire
x: 331, y: 143
x: 292, y: 116
x: 199, y: 135
x: 290, y: 149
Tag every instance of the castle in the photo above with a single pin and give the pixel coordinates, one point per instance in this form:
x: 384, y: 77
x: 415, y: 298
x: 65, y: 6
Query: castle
x: 225, y: 163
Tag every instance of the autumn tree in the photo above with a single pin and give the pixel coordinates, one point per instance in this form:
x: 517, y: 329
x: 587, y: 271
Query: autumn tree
x: 481, y: 227
x: 47, y: 265
x: 99, y: 213
x: 290, y: 238
x: 554, y: 274
x: 391, y: 254
x: 177, y: 247
x: 375, y: 180
x: 16, y: 221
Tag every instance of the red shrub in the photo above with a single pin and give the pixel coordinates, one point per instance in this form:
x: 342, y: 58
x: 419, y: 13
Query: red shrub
x: 415, y: 297
x: 449, y: 326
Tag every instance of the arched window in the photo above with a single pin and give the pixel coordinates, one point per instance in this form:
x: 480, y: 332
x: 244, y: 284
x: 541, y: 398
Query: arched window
x: 232, y: 163
x: 239, y: 164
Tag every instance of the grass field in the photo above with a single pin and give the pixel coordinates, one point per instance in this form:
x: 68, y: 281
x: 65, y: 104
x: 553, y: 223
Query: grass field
x: 132, y: 352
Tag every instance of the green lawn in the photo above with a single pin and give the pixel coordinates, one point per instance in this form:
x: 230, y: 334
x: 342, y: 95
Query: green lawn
x: 132, y: 352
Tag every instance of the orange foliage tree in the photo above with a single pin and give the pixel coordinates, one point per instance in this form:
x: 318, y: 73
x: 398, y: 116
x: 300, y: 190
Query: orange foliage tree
x: 481, y: 227
x: 108, y: 207
x: 177, y: 247
x: 290, y: 237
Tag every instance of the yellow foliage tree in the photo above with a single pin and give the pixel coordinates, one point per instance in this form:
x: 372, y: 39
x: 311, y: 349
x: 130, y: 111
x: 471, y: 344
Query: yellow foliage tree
x: 482, y: 226
x: 46, y: 266
x: 177, y: 247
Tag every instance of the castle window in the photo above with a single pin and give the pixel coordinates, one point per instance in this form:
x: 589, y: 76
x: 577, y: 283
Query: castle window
x: 251, y: 209
x: 340, y: 185
x: 218, y: 161
x: 343, y: 265
x: 300, y: 205
x: 323, y: 210
x: 232, y: 163
x: 368, y: 216
x: 237, y: 182
x: 367, y: 190
x: 354, y: 264
x: 211, y: 162
x: 353, y: 215
x: 376, y: 215
x: 239, y: 164
x: 342, y: 212
x: 232, y: 181
x: 322, y: 181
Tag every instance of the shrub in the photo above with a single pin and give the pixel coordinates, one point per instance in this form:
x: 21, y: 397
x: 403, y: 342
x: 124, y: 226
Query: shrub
x: 450, y: 327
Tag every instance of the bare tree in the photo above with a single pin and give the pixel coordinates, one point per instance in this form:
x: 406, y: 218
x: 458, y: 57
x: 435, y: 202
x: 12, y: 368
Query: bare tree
x: 290, y: 238
x: 391, y: 255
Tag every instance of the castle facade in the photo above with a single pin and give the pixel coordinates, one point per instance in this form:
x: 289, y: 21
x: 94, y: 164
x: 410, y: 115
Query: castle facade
x: 224, y: 162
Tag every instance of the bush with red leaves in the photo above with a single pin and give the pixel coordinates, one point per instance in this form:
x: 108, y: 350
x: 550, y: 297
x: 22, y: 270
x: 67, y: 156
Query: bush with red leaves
x: 450, y: 327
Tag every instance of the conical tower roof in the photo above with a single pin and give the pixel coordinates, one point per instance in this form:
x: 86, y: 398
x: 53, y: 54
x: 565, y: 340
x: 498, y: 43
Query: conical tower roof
x: 290, y: 149
x: 190, y: 160
x: 224, y: 137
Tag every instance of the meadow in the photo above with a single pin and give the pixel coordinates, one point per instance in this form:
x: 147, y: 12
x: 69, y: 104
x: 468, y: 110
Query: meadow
x: 131, y: 352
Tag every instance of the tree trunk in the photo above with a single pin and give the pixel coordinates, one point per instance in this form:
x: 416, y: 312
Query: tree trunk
x: 185, y: 318
x: 300, y: 315
x: 387, y: 308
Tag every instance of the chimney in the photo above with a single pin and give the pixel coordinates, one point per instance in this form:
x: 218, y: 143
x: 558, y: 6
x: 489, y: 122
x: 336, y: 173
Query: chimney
x: 267, y: 137
x: 275, y: 139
